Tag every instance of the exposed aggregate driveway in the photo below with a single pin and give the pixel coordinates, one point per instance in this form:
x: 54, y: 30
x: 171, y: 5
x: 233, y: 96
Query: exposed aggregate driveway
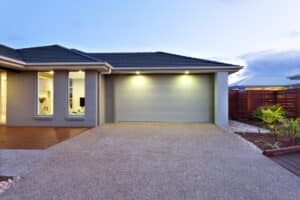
x: 156, y: 161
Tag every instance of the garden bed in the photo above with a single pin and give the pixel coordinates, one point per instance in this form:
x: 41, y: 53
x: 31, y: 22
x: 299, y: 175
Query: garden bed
x: 5, y: 178
x: 6, y: 182
x: 266, y: 141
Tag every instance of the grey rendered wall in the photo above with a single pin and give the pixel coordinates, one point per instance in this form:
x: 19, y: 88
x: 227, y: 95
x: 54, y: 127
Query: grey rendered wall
x: 169, y: 98
x: 109, y: 99
x: 221, y: 98
x: 101, y: 98
x: 21, y: 100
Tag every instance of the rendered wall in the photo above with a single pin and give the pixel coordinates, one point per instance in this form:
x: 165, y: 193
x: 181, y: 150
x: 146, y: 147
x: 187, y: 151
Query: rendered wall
x: 101, y: 98
x: 221, y: 98
x: 109, y: 99
x: 21, y: 100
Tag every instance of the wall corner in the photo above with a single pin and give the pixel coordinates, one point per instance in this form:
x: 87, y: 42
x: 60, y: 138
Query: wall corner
x: 221, y: 99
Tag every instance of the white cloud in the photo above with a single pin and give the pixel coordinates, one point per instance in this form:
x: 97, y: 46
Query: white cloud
x: 269, y: 63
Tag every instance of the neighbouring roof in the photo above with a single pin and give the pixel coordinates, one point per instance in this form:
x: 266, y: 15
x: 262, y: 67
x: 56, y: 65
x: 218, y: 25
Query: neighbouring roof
x: 59, y: 54
x: 264, y: 81
x: 154, y: 59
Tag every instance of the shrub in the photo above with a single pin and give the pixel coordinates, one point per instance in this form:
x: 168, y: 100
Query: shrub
x: 257, y: 114
x: 272, y: 117
x: 292, y: 128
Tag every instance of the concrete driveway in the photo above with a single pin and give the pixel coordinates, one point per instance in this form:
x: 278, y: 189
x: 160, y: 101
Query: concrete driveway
x: 156, y: 161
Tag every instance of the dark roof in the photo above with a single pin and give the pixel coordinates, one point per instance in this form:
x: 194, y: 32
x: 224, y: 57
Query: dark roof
x: 60, y: 54
x: 53, y: 53
x: 155, y: 59
x: 9, y: 52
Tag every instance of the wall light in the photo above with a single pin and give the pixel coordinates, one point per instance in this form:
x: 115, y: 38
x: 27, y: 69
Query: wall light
x: 51, y: 72
x: 138, y: 82
x: 186, y: 72
x: 137, y: 73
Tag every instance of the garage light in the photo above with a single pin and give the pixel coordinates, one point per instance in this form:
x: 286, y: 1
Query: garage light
x: 138, y: 82
x: 186, y: 72
x: 137, y: 73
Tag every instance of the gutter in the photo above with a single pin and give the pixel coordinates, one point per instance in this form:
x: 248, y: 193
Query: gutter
x: 11, y: 63
x: 12, y: 60
x: 108, y: 72
x: 179, y: 68
x: 23, y: 66
x: 65, y: 64
x: 192, y: 69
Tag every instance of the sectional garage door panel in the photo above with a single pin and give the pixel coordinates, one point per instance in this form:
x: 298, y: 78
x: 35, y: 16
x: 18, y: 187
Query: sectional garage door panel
x: 163, y: 98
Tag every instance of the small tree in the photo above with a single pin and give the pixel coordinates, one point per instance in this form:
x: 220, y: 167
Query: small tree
x: 291, y: 127
x: 272, y: 117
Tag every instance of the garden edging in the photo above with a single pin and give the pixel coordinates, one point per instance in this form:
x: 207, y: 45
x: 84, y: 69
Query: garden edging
x: 280, y: 151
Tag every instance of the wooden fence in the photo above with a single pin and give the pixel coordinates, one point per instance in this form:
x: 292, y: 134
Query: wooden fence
x: 243, y: 103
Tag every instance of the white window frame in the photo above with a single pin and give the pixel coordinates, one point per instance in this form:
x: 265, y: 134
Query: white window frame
x: 77, y: 116
x: 37, y: 115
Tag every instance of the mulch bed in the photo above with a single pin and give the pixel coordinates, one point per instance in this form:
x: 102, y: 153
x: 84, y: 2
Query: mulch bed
x: 266, y: 141
x: 5, y: 178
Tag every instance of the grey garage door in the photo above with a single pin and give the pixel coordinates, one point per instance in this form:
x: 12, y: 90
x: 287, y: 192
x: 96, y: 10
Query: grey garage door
x: 163, y: 98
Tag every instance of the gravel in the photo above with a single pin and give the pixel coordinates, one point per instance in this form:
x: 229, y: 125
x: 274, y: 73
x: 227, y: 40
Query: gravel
x: 156, y: 161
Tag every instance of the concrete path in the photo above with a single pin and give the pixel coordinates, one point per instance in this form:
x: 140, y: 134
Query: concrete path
x: 236, y: 126
x: 156, y: 161
x: 20, y: 162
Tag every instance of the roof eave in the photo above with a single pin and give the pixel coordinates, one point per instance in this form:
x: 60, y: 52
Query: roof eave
x: 192, y: 69
x: 98, y: 66
x: 11, y: 63
x: 14, y: 64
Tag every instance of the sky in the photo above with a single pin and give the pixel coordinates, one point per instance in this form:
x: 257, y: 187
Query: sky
x: 237, y: 31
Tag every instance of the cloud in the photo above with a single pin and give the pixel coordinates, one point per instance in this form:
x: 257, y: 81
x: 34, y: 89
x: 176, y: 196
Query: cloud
x: 269, y: 63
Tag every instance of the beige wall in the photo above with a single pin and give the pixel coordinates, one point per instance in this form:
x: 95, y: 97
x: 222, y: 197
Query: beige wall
x: 21, y: 100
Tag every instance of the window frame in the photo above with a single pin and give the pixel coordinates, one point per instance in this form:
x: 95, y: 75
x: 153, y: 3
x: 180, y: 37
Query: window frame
x: 37, y: 115
x: 75, y: 116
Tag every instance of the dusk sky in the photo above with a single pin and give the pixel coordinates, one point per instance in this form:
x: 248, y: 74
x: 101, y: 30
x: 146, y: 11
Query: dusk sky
x: 226, y: 30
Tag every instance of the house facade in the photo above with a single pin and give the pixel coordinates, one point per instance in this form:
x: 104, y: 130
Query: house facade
x: 57, y: 86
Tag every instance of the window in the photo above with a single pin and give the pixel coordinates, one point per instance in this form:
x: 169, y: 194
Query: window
x: 76, y: 93
x: 45, y: 93
x: 3, y: 96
